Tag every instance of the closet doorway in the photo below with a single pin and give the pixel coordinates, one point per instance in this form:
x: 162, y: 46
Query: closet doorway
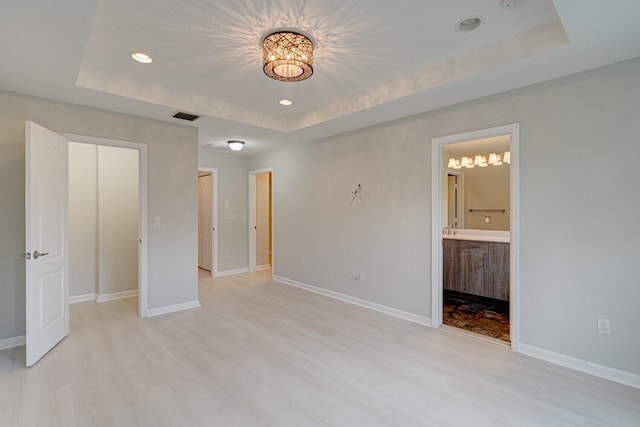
x: 107, y: 207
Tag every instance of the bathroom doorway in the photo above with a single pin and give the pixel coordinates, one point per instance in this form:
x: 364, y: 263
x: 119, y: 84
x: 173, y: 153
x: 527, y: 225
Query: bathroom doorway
x: 474, y: 258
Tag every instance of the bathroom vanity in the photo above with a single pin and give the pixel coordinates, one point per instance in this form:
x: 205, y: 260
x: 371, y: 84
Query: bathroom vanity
x: 477, y: 262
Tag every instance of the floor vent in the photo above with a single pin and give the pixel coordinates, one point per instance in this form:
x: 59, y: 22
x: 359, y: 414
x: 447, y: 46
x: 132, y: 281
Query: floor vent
x: 185, y: 116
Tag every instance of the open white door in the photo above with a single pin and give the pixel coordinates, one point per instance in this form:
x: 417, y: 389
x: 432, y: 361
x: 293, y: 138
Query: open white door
x: 47, y: 256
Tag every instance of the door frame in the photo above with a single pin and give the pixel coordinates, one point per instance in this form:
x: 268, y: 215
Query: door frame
x: 438, y: 176
x: 142, y: 214
x: 214, y: 217
x: 252, y: 219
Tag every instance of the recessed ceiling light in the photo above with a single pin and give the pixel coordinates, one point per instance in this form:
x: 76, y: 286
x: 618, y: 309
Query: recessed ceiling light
x: 285, y: 102
x: 141, y: 57
x: 469, y: 24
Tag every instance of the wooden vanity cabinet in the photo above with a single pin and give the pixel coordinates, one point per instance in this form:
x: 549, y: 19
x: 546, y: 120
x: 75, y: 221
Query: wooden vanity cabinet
x: 451, y: 264
x: 477, y: 268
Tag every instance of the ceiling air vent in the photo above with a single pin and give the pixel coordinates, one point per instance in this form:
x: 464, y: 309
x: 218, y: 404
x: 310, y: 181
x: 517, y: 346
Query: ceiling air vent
x: 185, y: 116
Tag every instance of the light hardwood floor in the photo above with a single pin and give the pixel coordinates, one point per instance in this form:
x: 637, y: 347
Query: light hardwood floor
x: 258, y: 353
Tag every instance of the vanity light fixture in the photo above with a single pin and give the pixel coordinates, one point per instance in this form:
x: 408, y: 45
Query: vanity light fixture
x: 495, y: 159
x: 235, y: 145
x: 479, y: 160
x: 507, y: 157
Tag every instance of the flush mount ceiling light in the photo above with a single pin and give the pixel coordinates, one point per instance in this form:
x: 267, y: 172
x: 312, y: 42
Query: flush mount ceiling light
x: 285, y: 102
x: 142, y: 58
x: 287, y: 56
x: 235, y: 145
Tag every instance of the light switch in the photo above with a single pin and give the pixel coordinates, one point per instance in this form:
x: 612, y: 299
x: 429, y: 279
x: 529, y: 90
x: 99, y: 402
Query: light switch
x: 156, y: 222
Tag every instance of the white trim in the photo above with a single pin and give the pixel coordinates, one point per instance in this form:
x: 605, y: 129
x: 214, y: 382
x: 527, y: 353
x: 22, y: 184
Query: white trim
x: 116, y: 295
x: 232, y: 272
x: 263, y: 267
x: 214, y: 214
x: 142, y: 220
x: 252, y: 216
x: 12, y: 342
x: 612, y: 374
x: 82, y: 298
x: 437, y: 223
x: 152, y: 312
x: 356, y: 301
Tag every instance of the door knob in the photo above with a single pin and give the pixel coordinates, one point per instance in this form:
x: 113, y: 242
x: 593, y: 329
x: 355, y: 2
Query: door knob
x: 37, y: 254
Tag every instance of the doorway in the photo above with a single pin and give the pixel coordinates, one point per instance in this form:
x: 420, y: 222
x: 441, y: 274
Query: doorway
x: 465, y: 255
x: 121, y: 267
x: 261, y: 220
x: 207, y: 220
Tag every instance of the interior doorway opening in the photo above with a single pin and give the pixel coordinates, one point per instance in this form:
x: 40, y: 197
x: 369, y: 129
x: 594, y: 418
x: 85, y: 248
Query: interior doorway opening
x: 104, y: 226
x: 261, y: 220
x: 207, y: 221
x: 474, y: 248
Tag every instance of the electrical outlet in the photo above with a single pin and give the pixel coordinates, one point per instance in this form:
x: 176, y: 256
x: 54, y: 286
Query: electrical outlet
x: 362, y: 276
x: 604, y: 326
x: 354, y: 275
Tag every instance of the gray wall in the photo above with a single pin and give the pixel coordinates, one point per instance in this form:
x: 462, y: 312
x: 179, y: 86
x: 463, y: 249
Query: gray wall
x: 83, y: 219
x: 579, y: 210
x: 233, y: 237
x: 103, y: 219
x: 232, y: 192
x: 172, y: 195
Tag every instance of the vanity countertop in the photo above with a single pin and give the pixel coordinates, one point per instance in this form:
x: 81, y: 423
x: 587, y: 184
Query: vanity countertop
x: 478, y: 235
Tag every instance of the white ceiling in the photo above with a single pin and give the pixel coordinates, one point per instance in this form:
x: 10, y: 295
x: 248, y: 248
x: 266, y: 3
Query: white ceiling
x: 375, y: 60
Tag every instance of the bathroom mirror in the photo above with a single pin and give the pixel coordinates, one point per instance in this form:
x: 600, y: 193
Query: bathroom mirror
x: 477, y: 184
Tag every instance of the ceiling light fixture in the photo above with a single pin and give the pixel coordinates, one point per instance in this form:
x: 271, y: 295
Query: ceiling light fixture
x: 469, y: 24
x: 142, y: 58
x: 235, y: 145
x: 285, y: 102
x: 287, y: 56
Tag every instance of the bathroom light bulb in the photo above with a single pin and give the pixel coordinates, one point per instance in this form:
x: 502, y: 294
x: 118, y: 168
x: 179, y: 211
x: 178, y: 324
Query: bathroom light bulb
x: 452, y: 162
x: 493, y: 158
x: 477, y: 161
x: 464, y: 162
x: 507, y: 157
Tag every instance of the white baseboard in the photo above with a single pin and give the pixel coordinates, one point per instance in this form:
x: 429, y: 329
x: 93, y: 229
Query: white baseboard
x: 172, y: 308
x: 612, y: 374
x: 12, y: 342
x: 117, y: 295
x: 82, y: 298
x: 231, y: 272
x: 103, y: 297
x: 357, y: 301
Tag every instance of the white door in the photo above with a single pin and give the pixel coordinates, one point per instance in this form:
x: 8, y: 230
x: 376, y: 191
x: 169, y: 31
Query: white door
x: 47, y: 263
x: 205, y: 227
